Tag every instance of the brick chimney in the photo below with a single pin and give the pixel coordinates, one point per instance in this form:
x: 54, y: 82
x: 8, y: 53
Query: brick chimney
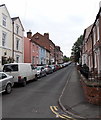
x: 46, y: 35
x: 29, y: 34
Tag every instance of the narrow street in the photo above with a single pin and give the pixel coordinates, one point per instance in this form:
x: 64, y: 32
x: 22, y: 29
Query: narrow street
x: 34, y: 100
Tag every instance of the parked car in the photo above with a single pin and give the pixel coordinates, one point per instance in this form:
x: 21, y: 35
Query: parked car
x: 40, y: 71
x: 57, y: 67
x: 22, y: 72
x: 6, y: 82
x: 48, y: 69
x: 53, y: 67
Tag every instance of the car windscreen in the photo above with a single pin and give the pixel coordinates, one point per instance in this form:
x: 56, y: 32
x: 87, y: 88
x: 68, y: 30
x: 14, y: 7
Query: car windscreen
x: 9, y: 68
x: 38, y: 68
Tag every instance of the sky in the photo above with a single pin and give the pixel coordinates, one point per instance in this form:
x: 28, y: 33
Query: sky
x: 64, y: 20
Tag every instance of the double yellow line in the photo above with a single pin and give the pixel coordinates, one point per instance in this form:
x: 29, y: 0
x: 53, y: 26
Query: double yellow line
x: 54, y: 109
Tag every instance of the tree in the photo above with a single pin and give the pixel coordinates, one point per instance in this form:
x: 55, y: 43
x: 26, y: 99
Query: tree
x: 65, y: 59
x: 76, y: 48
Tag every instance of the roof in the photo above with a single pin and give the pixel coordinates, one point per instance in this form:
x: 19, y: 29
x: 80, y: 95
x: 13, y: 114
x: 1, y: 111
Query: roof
x: 97, y: 17
x: 88, y: 30
x: 51, y: 42
x: 15, y: 18
x: 2, y: 5
x: 37, y: 42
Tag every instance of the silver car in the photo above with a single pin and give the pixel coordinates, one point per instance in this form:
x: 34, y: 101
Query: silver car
x: 40, y: 71
x: 6, y: 82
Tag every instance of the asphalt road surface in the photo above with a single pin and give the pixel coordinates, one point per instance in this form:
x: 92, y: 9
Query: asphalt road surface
x: 34, y: 100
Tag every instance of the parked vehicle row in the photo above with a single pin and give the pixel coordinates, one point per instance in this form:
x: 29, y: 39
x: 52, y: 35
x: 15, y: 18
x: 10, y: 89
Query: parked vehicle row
x: 20, y: 73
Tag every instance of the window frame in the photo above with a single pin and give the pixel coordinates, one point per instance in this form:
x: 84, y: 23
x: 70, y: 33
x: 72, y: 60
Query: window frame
x: 4, y: 37
x: 98, y: 31
x: 4, y: 20
x: 94, y: 35
x: 17, y: 58
x: 17, y: 29
x: 17, y: 43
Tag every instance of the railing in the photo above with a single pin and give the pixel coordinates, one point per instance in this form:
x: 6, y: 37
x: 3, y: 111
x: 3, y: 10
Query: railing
x: 94, y: 76
x: 89, y: 75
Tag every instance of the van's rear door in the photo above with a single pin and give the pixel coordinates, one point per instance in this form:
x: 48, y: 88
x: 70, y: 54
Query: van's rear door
x: 12, y: 69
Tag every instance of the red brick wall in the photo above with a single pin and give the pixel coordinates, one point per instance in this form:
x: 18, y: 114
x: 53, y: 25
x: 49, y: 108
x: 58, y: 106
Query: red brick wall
x: 27, y: 50
x: 52, y: 48
x: 92, y: 94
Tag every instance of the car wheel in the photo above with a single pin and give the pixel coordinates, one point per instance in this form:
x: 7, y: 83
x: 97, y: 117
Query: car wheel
x: 45, y: 74
x: 8, y: 88
x: 24, y: 83
x: 40, y: 75
x: 36, y: 78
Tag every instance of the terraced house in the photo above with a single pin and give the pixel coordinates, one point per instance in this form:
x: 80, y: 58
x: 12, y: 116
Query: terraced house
x: 17, y: 40
x: 91, y: 50
x: 58, y: 55
x: 11, y: 38
x: 31, y: 51
x: 5, y: 35
x: 47, y: 53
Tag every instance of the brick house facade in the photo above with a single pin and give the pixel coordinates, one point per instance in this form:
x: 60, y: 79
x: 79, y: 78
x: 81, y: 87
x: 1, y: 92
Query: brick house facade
x: 92, y: 45
x: 31, y: 51
x: 58, y: 55
x: 47, y: 52
x: 46, y: 43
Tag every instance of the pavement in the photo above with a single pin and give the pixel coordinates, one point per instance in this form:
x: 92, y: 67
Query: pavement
x: 73, y: 101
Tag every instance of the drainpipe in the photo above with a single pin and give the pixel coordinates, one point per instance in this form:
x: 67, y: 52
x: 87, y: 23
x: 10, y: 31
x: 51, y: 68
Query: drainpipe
x: 93, y: 61
x: 13, y: 40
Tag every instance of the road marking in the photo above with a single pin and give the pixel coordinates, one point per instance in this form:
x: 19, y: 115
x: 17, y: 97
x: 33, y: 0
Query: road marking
x: 68, y: 117
x: 58, y: 114
x: 56, y: 108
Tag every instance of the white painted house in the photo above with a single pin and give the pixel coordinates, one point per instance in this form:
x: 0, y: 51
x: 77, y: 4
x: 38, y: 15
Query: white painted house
x: 11, y: 38
x: 5, y: 35
x: 18, y: 40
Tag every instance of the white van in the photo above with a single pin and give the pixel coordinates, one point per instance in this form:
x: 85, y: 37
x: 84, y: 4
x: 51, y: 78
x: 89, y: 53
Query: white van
x: 22, y: 72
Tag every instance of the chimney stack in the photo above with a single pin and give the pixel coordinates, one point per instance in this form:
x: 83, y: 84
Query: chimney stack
x: 29, y: 34
x: 46, y: 35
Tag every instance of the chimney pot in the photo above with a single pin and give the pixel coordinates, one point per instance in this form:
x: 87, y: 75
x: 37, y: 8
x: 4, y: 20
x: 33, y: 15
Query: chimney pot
x: 29, y: 34
x: 46, y: 35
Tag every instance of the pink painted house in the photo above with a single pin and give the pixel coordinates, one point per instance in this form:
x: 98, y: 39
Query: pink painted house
x: 31, y: 51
